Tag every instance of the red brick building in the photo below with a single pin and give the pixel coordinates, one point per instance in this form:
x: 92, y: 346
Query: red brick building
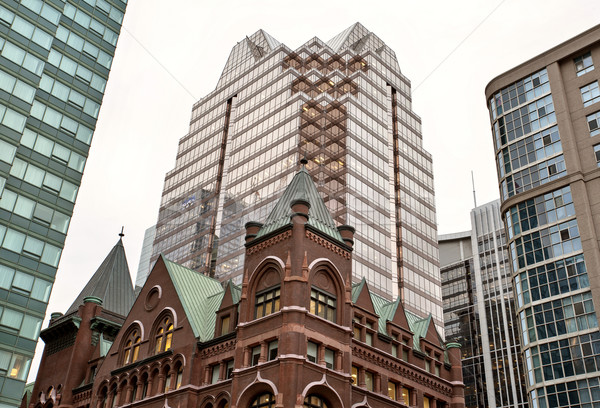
x: 297, y: 333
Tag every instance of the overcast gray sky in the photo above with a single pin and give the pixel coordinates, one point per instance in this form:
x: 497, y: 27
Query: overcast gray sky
x: 146, y: 111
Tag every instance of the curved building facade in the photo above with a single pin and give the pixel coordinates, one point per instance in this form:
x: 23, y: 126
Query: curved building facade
x: 544, y: 116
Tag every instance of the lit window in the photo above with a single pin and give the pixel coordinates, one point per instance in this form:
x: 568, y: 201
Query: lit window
x: 405, y: 395
x: 426, y: 402
x: 323, y: 304
x: 264, y: 401
x: 313, y: 401
x: 179, y: 378
x: 132, y: 348
x: 392, y: 390
x: 590, y: 94
x: 164, y: 336
x: 267, y: 302
x: 224, y: 325
x: 354, y: 375
x: 597, y: 154
x: 594, y: 123
x: 584, y: 64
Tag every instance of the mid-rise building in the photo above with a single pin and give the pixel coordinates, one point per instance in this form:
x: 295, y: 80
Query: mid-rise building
x: 544, y: 115
x: 346, y: 107
x: 479, y: 311
x: 55, y: 57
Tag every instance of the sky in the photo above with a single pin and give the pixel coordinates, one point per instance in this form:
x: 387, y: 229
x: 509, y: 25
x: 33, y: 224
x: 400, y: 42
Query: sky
x: 168, y: 57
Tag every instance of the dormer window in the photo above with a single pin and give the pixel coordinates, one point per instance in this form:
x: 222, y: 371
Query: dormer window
x: 267, y: 302
x: 164, y: 336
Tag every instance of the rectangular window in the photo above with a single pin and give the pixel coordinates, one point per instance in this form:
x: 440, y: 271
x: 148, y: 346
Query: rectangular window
x: 215, y: 374
x: 594, y: 123
x: 584, y: 64
x: 590, y: 94
x: 597, y: 154
x: 369, y: 380
x: 354, y: 375
x: 323, y: 304
x: 406, y: 395
x: 230, y: 369
x: 224, y: 325
x: 267, y: 302
x: 392, y: 390
x: 273, y: 350
x: 395, y: 350
x: 329, y: 358
x: 312, y: 352
x: 255, y: 355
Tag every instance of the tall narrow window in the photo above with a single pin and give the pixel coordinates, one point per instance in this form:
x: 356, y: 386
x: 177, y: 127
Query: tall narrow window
x: 255, y: 355
x: 273, y: 350
x: 311, y: 351
x: 230, y: 369
x: 132, y: 348
x: 267, y: 302
x: 392, y: 390
x: 224, y: 325
x: 329, y: 358
x: 164, y: 336
x: 323, y: 304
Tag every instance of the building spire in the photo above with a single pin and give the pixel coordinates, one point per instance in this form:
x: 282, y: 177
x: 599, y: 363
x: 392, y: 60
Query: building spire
x: 121, y: 234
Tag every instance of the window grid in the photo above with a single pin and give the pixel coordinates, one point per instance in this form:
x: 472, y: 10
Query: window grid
x: 584, y: 64
x: 590, y: 94
x: 594, y: 123
x: 534, y: 176
x: 520, y: 92
x: 597, y: 154
x: 323, y: 304
x: 267, y: 302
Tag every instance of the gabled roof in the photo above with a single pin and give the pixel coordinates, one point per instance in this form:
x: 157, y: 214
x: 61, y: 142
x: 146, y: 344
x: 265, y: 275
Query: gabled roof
x: 200, y: 297
x: 301, y: 187
x: 111, y: 283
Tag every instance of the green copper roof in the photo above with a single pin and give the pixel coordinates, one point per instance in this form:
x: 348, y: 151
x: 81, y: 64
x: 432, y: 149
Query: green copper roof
x: 418, y: 326
x: 200, y: 297
x: 301, y: 187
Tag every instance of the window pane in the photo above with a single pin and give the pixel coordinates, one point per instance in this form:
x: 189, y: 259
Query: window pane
x: 60, y: 222
x: 34, y: 176
x: 33, y: 246
x: 13, y: 240
x: 6, y: 276
x: 23, y: 282
x: 31, y: 327
x: 8, y: 200
x: 43, y: 214
x: 51, y: 255
x: 41, y: 290
x: 24, y: 207
x: 11, y: 318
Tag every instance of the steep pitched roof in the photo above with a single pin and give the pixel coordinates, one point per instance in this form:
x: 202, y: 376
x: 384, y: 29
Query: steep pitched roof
x: 301, y: 187
x: 200, y: 297
x: 111, y: 283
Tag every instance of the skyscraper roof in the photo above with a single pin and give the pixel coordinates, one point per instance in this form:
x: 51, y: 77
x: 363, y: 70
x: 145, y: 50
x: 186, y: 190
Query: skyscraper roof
x: 111, y: 283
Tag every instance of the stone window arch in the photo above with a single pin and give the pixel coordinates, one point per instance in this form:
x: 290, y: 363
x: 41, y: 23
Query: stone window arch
x: 163, y: 333
x: 326, y: 289
x: 130, y: 351
x: 266, y: 400
x: 265, y: 290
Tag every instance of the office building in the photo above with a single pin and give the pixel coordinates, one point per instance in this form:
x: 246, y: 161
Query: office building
x: 297, y: 333
x: 346, y: 107
x: 544, y: 116
x: 144, y: 264
x: 479, y: 311
x: 55, y: 58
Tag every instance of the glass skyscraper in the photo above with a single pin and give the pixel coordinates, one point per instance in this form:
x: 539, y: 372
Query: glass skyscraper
x: 479, y: 311
x: 345, y: 106
x: 544, y: 117
x: 55, y: 57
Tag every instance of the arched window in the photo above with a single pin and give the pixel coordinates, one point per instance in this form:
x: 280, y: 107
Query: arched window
x: 131, y: 351
x: 313, y: 401
x: 164, y: 335
x: 179, y: 376
x: 113, y: 396
x: 264, y: 400
x: 168, y: 379
x: 144, y: 385
x: 134, y: 388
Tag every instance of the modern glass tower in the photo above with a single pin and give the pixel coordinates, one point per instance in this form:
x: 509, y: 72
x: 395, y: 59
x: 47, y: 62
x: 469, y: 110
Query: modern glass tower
x: 55, y: 57
x: 544, y: 116
x: 345, y: 106
x: 479, y: 311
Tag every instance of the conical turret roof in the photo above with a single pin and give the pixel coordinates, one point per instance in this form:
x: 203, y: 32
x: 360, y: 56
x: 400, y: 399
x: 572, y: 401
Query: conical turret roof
x: 111, y: 283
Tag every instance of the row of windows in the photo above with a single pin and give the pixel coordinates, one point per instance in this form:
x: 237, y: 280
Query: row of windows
x: 24, y: 284
x: 25, y: 28
x: 21, y: 57
x: 574, y: 394
x: 529, y: 150
x: 19, y: 323
x: 16, y: 87
x: 80, y: 44
x: 76, y: 70
x: 32, y: 247
x: 162, y: 340
x: 43, y: 179
x: 27, y: 208
x: 66, y: 94
x: 544, y: 244
x: 551, y: 279
x: 81, y: 18
x: 561, y: 316
x: 62, y: 122
x: 539, y: 211
x: 534, y: 176
x: 520, y: 92
x: 53, y: 150
x: 111, y: 11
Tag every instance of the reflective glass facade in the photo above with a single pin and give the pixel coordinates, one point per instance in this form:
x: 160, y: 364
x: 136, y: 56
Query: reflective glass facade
x: 55, y: 57
x: 543, y: 124
x: 346, y: 107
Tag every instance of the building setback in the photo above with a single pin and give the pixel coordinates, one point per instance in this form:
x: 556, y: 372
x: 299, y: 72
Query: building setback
x: 343, y: 105
x: 55, y: 57
x: 479, y: 311
x: 295, y: 333
x: 544, y: 115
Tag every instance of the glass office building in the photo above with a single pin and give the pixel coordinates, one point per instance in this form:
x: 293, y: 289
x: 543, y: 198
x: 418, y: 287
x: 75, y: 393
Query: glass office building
x: 345, y: 106
x: 544, y: 122
x: 55, y: 57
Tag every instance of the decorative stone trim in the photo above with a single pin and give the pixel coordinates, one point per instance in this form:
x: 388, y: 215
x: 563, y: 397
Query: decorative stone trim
x: 402, y: 370
x: 218, y: 349
x: 270, y: 242
x: 327, y: 244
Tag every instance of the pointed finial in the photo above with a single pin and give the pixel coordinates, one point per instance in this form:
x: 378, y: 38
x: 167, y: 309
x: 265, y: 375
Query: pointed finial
x: 304, y: 161
x: 121, y: 233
